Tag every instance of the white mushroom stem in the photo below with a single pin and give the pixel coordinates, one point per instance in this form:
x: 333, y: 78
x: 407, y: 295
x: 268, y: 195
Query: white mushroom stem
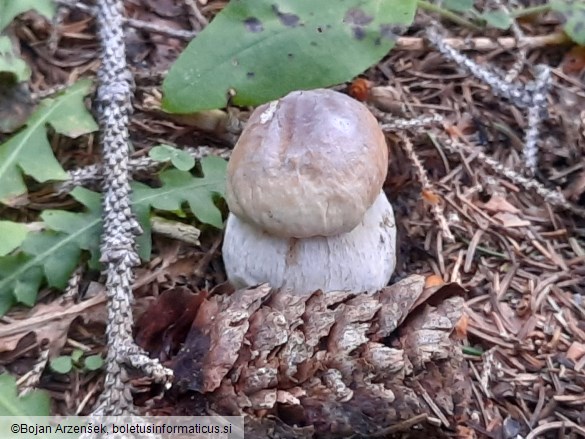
x: 358, y: 261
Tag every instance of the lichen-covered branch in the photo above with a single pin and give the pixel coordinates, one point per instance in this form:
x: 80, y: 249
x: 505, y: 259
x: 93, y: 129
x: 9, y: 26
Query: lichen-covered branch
x: 531, y: 96
x: 118, y: 251
x: 93, y: 175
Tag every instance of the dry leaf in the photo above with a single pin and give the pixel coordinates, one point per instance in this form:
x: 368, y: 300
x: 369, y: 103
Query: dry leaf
x: 49, y: 322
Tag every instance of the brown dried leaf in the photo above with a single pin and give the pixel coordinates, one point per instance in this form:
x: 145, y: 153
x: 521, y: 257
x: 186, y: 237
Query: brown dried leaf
x: 50, y: 322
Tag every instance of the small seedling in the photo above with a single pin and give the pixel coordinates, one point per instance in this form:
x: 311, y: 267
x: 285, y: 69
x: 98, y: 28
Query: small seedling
x: 76, y: 360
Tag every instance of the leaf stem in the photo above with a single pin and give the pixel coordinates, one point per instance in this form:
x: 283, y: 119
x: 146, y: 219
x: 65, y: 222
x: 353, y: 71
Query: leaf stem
x: 522, y: 12
x: 445, y: 13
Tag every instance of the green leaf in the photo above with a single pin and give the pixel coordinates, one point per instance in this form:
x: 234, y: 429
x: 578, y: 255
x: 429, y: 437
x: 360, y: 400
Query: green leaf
x: 181, y: 160
x: 11, y: 8
x: 30, y: 152
x: 181, y: 187
x: 35, y: 403
x: 51, y: 255
x: 497, y: 18
x: 458, y: 5
x: 76, y: 355
x: 12, y: 64
x: 11, y: 236
x: 262, y: 49
x: 62, y: 364
x: 574, y: 14
x: 94, y: 362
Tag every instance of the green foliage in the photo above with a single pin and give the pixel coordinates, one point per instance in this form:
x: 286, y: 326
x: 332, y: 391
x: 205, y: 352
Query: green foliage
x: 181, y: 160
x: 458, y: 5
x: 93, y: 362
x: 260, y: 50
x: 66, y: 363
x: 35, y: 403
x: 11, y: 8
x: 498, y: 19
x: 574, y: 14
x: 62, y: 364
x: 50, y: 256
x: 11, y: 64
x: 180, y: 187
x: 30, y: 152
x: 12, y: 234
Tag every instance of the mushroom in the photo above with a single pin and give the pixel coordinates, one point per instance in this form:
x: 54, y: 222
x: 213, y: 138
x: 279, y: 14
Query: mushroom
x: 304, y: 189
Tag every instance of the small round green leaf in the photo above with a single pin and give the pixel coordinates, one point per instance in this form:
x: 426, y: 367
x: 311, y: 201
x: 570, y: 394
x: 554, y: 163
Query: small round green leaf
x: 161, y: 153
x: 62, y: 364
x: 76, y: 355
x: 93, y: 362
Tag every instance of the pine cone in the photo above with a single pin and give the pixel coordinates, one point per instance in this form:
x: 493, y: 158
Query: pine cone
x: 326, y: 365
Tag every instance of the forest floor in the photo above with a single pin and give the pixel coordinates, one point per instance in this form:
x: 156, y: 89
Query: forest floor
x: 520, y: 259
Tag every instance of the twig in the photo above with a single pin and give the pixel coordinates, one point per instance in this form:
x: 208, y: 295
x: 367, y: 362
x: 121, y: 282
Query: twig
x: 176, y: 230
x: 120, y: 228
x: 536, y: 113
x: 518, y: 95
x: 436, y: 208
x: 553, y: 197
x: 484, y: 44
x: 91, y: 175
x: 137, y: 24
x: 521, y: 53
x: 532, y: 96
x: 196, y: 12
x: 391, y: 124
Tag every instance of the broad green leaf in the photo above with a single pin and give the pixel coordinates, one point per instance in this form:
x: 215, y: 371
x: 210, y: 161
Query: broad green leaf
x: 30, y: 152
x: 50, y: 256
x: 93, y: 362
x: 260, y: 50
x: 11, y: 8
x: 11, y: 236
x: 181, y: 187
x: 458, y: 5
x: 34, y: 403
x: 62, y: 364
x: 574, y: 14
x: 12, y: 64
x: 497, y: 18
x: 181, y: 160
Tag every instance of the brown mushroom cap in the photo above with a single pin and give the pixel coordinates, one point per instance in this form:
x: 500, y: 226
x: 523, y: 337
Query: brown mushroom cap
x: 309, y: 164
